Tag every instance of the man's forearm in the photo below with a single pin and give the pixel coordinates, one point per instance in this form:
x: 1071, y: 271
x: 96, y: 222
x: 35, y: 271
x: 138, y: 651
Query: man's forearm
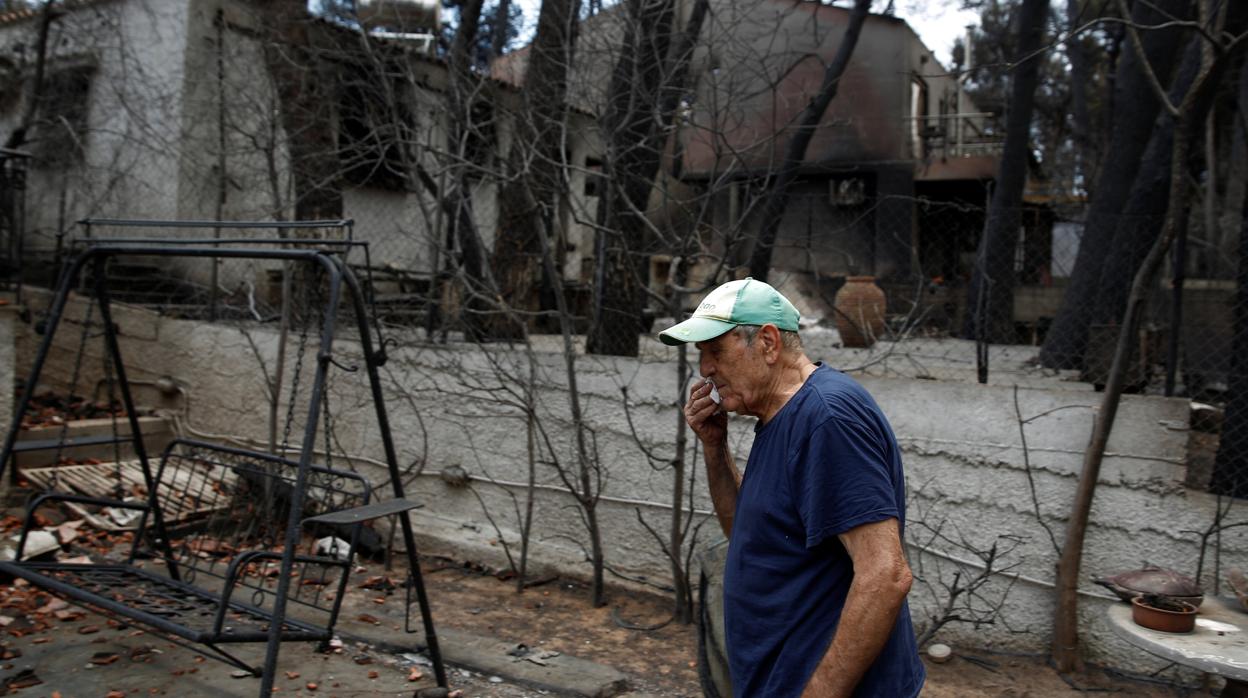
x: 866, y: 622
x: 723, y: 480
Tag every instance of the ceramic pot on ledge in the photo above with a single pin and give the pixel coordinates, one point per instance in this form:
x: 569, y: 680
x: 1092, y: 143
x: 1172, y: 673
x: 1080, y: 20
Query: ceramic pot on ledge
x: 1164, y: 614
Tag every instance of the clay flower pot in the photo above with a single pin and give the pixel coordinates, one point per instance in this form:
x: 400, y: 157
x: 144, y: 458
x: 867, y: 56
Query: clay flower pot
x: 859, y: 306
x: 1164, y: 614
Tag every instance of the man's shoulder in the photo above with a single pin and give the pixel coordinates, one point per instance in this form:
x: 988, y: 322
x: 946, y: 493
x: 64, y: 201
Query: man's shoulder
x: 836, y: 393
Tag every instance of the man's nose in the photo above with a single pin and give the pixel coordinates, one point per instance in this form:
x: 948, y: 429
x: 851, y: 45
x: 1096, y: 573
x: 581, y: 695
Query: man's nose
x: 705, y: 366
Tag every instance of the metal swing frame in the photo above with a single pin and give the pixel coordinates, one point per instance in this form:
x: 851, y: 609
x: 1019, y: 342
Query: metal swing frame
x: 330, y: 256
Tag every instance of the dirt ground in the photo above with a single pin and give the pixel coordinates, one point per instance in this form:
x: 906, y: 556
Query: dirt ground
x: 553, y: 616
x: 557, y: 616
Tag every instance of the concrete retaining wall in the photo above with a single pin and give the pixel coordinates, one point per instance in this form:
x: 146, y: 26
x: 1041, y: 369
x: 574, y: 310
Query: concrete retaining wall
x: 971, y: 483
x: 8, y: 357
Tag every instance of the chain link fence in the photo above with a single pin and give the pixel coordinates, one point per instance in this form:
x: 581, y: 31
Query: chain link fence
x: 928, y: 327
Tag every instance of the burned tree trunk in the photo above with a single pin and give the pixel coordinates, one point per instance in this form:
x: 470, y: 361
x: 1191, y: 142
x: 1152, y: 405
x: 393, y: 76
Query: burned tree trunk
x: 498, y: 36
x: 1230, y: 468
x: 463, y: 86
x: 1080, y: 81
x: 652, y: 69
x: 991, y: 300
x: 1135, y: 111
x: 1145, y: 212
x: 631, y: 95
x: 534, y: 186
x: 306, y: 98
x: 17, y: 138
x: 778, y: 195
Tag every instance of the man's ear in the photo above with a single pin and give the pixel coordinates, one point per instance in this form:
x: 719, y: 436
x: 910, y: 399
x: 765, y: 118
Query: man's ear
x: 772, y: 344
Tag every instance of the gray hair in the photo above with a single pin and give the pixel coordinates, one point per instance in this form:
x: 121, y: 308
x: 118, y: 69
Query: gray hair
x: 788, y: 339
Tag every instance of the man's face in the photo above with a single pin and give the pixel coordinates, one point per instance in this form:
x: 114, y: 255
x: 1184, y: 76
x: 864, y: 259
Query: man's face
x: 735, y: 367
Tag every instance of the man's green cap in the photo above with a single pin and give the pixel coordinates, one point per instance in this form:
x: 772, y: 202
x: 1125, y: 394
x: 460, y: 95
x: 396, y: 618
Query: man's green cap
x: 744, y: 302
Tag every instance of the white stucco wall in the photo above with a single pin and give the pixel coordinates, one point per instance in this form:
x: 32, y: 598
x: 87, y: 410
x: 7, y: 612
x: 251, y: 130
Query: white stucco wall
x: 966, y: 471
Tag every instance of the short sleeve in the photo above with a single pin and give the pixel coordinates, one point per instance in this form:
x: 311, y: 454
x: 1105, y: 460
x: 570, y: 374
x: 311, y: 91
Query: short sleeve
x: 841, y: 480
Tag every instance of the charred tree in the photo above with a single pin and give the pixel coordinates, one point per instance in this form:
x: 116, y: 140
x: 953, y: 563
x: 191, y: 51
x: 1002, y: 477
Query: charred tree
x: 1230, y: 468
x: 652, y: 70
x: 1135, y: 107
x: 534, y: 184
x: 1080, y: 82
x: 795, y: 152
x: 50, y: 13
x: 500, y: 29
x: 1141, y: 221
x: 464, y: 85
x: 991, y: 299
x: 306, y: 98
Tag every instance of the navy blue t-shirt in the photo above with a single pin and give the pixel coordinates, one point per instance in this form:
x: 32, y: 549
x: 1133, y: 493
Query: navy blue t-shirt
x: 827, y: 462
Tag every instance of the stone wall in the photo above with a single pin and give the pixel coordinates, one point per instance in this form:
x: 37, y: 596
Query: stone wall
x: 7, y: 356
x: 971, y: 483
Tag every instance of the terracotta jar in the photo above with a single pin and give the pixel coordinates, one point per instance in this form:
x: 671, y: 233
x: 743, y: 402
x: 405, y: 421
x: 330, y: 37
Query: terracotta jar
x: 859, y: 307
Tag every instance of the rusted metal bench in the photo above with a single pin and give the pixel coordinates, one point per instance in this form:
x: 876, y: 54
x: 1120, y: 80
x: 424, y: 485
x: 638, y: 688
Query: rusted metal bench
x: 210, y: 580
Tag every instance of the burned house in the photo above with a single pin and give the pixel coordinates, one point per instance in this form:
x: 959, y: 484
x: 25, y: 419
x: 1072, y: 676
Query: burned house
x: 893, y: 183
x: 892, y: 176
x: 230, y: 110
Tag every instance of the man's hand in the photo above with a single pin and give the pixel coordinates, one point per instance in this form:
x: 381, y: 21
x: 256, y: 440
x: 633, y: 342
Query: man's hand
x: 704, y: 416
x: 882, y: 579
x: 723, y: 479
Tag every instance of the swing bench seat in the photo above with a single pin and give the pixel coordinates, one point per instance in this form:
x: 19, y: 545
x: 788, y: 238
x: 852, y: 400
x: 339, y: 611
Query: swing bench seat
x: 211, y: 581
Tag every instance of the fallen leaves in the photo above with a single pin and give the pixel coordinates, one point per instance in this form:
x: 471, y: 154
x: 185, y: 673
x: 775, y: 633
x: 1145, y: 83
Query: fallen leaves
x: 23, y: 679
x: 104, y: 658
x: 143, y: 653
x: 53, y: 606
x: 379, y: 583
x: 206, y: 547
x: 50, y: 409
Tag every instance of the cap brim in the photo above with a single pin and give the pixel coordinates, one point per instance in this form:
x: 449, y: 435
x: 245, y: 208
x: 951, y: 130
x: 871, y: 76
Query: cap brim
x: 695, y: 329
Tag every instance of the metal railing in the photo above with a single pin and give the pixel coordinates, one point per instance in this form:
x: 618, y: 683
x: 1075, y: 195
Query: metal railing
x: 955, y: 135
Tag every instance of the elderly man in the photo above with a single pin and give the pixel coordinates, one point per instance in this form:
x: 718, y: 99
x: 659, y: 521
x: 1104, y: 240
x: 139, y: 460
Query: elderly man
x: 816, y: 580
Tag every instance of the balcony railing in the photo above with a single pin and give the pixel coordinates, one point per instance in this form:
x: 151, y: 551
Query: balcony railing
x: 955, y: 135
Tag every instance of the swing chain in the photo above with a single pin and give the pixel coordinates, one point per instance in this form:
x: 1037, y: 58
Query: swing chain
x: 294, y: 381
x: 73, y: 387
x: 119, y: 489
